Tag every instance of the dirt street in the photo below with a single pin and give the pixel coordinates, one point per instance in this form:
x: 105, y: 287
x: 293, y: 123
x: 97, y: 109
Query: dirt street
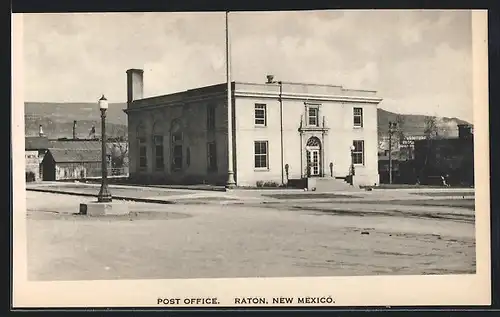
x: 195, y: 241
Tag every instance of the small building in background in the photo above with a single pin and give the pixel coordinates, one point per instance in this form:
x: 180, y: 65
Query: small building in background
x: 452, y: 158
x: 116, y: 150
x: 35, y: 149
x: 71, y: 164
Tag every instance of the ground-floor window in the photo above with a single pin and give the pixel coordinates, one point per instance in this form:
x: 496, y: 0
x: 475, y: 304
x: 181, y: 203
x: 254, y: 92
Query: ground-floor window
x: 143, y: 162
x: 358, y: 154
x: 158, y: 146
x: 177, y: 157
x: 211, y: 157
x: 261, y: 154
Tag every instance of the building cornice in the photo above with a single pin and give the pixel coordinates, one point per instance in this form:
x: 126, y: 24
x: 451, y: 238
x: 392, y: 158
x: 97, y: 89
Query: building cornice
x: 160, y: 102
x: 307, y: 97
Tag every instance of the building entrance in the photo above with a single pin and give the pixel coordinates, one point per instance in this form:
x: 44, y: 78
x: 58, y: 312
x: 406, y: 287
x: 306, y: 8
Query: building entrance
x: 313, y: 156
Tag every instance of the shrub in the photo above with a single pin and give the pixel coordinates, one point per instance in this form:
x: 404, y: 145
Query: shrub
x: 271, y: 184
x: 259, y: 184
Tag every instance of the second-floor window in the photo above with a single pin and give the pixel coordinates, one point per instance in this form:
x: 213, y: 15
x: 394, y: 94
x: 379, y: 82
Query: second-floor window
x: 260, y: 115
x: 358, y: 117
x: 313, y: 116
x: 210, y: 117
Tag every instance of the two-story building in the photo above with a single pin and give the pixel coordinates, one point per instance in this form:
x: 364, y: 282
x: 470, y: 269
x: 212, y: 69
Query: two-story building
x: 278, y: 130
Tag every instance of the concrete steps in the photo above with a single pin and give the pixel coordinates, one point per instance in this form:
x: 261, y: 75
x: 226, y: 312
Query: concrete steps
x: 333, y: 185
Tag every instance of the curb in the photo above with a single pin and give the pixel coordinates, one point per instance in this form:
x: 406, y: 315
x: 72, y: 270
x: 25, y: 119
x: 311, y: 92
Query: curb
x: 214, y: 189
x: 141, y: 200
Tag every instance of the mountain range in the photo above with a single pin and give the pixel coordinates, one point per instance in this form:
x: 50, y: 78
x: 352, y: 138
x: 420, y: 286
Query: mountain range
x: 57, y: 120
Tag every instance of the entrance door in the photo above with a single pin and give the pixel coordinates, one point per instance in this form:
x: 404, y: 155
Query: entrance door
x: 313, y: 160
x: 313, y: 156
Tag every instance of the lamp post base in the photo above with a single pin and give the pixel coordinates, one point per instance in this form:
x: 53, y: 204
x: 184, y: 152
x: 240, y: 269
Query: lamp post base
x: 104, y: 195
x: 104, y: 199
x: 230, y: 180
x: 99, y: 209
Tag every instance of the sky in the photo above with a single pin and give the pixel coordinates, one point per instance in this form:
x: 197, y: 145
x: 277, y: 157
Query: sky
x: 419, y: 62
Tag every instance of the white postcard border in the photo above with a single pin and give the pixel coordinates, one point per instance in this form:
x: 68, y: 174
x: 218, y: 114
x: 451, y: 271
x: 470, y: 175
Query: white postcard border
x: 346, y: 291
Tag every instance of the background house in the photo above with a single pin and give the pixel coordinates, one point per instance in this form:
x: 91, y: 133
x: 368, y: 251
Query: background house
x: 77, y: 159
x: 116, y: 149
x: 35, y: 149
x: 71, y: 164
x: 449, y: 157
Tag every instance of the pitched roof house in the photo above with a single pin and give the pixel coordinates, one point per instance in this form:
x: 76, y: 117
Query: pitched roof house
x: 36, y: 143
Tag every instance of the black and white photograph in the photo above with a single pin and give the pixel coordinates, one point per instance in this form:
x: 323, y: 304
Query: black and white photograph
x: 238, y: 158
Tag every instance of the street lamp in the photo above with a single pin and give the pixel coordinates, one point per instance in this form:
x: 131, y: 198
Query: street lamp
x: 352, y: 171
x: 104, y: 194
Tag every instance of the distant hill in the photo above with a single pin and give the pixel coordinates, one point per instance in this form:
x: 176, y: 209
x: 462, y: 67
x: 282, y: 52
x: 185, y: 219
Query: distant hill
x: 415, y: 124
x: 57, y: 120
x: 76, y: 111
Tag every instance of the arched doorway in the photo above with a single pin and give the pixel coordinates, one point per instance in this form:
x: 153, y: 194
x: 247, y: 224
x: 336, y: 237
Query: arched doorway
x: 313, y: 156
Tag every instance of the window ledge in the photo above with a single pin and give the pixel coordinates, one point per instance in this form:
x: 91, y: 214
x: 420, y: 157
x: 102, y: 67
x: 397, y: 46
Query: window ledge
x: 262, y: 169
x: 260, y: 126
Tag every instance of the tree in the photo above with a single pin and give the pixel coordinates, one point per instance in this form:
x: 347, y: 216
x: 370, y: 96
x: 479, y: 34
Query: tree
x: 430, y: 128
x: 400, y: 134
x: 119, y: 146
x: 431, y: 133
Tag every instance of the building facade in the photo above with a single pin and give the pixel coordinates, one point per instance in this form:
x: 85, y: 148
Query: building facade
x: 281, y: 131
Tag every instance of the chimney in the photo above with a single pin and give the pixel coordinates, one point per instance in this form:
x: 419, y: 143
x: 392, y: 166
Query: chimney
x: 40, y: 131
x: 74, y: 130
x: 270, y: 79
x: 135, y: 85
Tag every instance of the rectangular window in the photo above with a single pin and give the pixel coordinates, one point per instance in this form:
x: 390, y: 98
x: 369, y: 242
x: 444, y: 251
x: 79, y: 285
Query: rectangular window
x: 143, y: 161
x: 188, y: 157
x: 177, y: 157
x: 261, y: 154
x: 210, y: 117
x: 358, y: 117
x: 260, y: 115
x: 211, y: 156
x: 158, y: 146
x: 358, y: 154
x: 313, y: 116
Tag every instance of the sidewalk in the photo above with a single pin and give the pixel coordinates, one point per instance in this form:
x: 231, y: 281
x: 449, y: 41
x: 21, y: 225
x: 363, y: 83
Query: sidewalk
x: 243, y: 196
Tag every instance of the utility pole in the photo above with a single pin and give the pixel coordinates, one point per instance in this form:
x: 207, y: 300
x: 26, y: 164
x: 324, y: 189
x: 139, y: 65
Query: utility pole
x: 392, y: 125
